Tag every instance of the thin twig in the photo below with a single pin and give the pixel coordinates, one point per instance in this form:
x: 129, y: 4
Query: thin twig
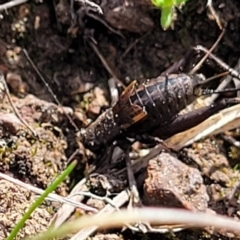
x: 65, y: 211
x: 107, y: 200
x: 214, y: 14
x: 11, y: 4
x: 222, y: 64
x: 107, y: 25
x: 2, y: 80
x: 94, y: 196
x: 153, y: 215
x: 196, y: 68
x: 224, y: 84
x: 143, y: 161
x: 230, y: 140
x: 51, y: 196
x: 118, y: 201
x: 132, y: 45
x: 105, y: 64
x: 49, y: 89
x: 218, y: 123
x: 92, y: 5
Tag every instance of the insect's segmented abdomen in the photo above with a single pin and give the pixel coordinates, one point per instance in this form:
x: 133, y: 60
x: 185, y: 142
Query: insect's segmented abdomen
x: 164, y: 97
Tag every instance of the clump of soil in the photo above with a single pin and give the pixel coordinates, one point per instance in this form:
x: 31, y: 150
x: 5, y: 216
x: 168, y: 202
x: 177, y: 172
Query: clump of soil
x: 14, y: 202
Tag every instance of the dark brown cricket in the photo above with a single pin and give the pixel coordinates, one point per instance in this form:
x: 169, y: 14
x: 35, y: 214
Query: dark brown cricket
x: 152, y: 105
x: 152, y: 110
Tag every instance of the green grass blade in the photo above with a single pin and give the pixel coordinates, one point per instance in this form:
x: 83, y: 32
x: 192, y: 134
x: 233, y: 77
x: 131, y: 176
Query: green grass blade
x: 39, y: 201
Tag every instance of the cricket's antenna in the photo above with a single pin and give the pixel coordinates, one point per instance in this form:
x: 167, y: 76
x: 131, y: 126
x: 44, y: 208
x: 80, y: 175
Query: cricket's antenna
x: 211, y: 91
x: 214, y: 77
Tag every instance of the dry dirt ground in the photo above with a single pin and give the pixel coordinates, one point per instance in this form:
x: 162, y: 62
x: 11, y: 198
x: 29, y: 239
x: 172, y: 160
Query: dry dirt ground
x: 59, y: 40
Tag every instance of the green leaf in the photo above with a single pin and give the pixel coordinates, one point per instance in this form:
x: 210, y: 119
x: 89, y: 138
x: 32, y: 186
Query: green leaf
x: 167, y: 7
x: 166, y: 17
x: 163, y: 3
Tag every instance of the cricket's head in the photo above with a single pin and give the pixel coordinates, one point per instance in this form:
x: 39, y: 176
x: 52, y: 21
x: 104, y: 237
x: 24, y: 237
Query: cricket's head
x: 198, y: 81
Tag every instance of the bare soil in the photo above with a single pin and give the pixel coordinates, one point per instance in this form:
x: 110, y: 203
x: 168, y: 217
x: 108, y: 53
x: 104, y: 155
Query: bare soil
x: 59, y: 40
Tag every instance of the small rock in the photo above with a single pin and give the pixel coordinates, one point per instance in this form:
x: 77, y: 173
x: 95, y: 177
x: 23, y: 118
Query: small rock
x: 172, y: 183
x: 219, y: 176
x: 128, y: 15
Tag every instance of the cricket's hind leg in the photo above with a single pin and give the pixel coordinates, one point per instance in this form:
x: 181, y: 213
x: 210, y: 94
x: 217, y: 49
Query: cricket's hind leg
x: 193, y: 118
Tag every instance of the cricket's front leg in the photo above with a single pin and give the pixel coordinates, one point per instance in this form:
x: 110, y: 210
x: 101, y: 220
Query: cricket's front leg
x: 191, y: 119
